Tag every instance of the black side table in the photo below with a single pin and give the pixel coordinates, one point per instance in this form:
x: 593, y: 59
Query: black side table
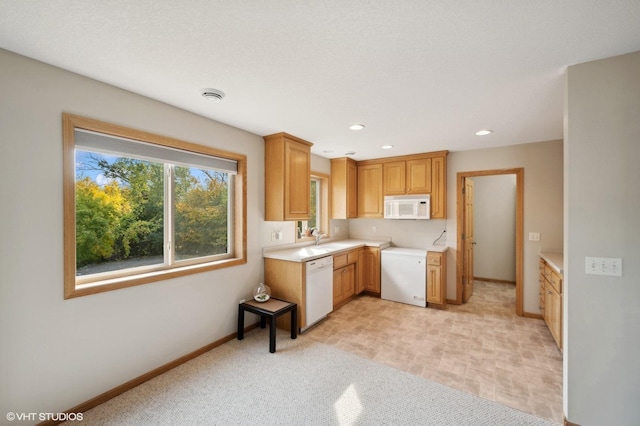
x: 271, y: 309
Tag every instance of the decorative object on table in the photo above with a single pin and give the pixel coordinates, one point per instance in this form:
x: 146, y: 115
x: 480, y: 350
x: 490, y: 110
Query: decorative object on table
x: 262, y: 293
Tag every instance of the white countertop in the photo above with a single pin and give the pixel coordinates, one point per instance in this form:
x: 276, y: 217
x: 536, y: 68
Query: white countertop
x: 305, y: 253
x: 555, y: 260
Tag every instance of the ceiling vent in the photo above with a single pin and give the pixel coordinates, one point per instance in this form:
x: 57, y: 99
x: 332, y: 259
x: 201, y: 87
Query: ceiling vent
x: 213, y: 94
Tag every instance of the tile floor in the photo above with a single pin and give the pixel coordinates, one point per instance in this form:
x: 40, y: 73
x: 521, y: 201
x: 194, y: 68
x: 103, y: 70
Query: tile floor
x: 480, y: 347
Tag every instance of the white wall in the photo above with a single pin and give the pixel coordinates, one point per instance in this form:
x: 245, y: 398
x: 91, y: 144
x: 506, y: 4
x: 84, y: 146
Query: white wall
x: 602, y: 201
x: 402, y: 233
x: 494, y: 255
x: 542, y: 163
x: 55, y: 353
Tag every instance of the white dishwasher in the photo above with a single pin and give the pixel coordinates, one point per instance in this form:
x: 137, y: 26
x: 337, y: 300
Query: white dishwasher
x: 319, y: 299
x: 404, y: 275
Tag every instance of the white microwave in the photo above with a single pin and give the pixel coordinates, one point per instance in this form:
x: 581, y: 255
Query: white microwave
x: 407, y: 206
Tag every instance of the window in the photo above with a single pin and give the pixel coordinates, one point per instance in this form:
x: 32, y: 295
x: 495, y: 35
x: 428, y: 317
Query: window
x: 319, y: 211
x: 141, y: 207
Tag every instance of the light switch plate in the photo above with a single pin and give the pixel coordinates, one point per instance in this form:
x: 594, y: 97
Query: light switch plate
x: 609, y: 266
x: 534, y: 236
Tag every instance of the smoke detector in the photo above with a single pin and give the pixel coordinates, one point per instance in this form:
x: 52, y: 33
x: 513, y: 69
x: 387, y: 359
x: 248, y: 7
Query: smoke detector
x: 213, y: 94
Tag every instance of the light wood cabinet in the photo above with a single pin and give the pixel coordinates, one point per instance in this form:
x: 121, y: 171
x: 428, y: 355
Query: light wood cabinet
x: 370, y: 197
x: 344, y: 188
x: 369, y: 270
x: 411, y: 174
x: 287, y: 177
x: 436, y: 279
x: 418, y: 174
x: 344, y: 277
x: 395, y: 177
x: 541, y: 287
x: 407, y: 177
x: 439, y: 187
x: 551, y: 300
x: 553, y: 314
x: 287, y: 281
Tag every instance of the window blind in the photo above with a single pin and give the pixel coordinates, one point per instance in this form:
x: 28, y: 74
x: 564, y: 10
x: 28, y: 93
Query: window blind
x: 107, y: 144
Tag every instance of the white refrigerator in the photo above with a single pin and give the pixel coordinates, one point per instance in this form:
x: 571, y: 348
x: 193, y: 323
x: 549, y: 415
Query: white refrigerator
x: 404, y: 275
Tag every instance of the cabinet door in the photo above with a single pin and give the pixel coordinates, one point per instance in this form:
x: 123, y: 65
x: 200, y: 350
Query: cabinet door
x: 352, y: 190
x: 298, y: 180
x: 553, y: 313
x: 338, y: 295
x: 370, y: 198
x: 348, y: 281
x: 434, y: 284
x: 419, y: 176
x: 369, y: 265
x: 344, y: 188
x: 361, y: 271
x: 438, y: 188
x: 287, y: 180
x: 394, y: 178
x: 541, y: 287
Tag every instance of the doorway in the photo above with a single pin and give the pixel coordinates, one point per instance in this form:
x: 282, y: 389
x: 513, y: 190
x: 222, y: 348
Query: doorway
x: 464, y: 256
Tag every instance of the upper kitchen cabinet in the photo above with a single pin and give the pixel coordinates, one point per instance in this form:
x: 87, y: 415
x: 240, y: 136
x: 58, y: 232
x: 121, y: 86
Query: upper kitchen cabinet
x: 395, y: 178
x: 407, y: 177
x: 370, y: 198
x: 287, y: 177
x: 418, y: 174
x: 344, y: 188
x: 439, y: 187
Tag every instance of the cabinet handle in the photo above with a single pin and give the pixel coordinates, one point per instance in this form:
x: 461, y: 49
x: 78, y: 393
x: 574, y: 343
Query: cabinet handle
x: 549, y: 292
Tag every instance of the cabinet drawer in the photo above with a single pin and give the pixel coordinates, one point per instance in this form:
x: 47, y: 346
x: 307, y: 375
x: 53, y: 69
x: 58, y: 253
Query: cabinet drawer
x: 434, y: 259
x: 556, y: 281
x: 547, y: 272
x: 339, y: 261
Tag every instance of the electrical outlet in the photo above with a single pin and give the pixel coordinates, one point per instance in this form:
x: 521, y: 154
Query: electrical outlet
x: 373, y: 229
x: 608, y: 266
x: 274, y: 236
x: 336, y: 229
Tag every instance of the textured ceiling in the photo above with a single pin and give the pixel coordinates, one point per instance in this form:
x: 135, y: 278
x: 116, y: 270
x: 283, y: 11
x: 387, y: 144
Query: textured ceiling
x: 420, y: 75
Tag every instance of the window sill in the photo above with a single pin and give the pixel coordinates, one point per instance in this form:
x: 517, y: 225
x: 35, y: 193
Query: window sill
x: 78, y: 290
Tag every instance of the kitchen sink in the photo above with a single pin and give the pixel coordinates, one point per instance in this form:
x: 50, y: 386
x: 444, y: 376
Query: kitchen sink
x: 334, y: 246
x: 312, y: 251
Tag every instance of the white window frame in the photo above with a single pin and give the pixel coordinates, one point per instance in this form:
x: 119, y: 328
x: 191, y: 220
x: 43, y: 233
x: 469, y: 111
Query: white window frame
x: 322, y: 208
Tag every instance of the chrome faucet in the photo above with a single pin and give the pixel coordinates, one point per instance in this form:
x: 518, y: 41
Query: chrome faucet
x: 318, y: 236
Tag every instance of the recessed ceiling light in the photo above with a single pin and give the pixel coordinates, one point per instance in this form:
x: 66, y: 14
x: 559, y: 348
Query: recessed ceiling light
x: 484, y: 132
x: 350, y: 153
x: 327, y: 151
x: 387, y: 146
x: 213, y: 94
x: 356, y: 126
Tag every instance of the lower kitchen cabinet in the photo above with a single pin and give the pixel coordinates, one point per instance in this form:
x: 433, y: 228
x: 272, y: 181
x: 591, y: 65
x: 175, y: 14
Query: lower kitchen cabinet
x: 344, y: 283
x: 287, y: 281
x: 369, y: 270
x: 551, y: 300
x: 436, y: 279
x: 344, y: 277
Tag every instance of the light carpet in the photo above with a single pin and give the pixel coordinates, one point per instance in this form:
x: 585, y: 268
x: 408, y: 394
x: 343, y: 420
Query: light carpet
x: 303, y: 383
